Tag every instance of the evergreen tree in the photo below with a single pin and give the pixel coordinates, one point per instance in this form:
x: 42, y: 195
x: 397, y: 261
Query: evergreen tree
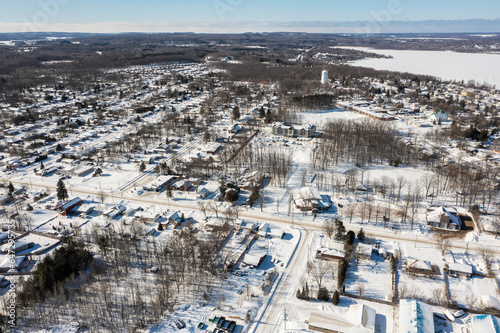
x: 361, y: 235
x: 262, y: 112
x: 62, y: 193
x: 339, y: 229
x: 336, y: 298
x: 236, y: 113
x: 11, y: 188
x: 269, y: 117
x: 42, y: 166
x: 160, y: 227
x: 323, y: 294
x: 142, y: 167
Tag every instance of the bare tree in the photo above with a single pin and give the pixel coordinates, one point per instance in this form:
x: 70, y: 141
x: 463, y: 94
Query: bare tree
x: 439, y: 297
x: 401, y: 181
x: 443, y: 242
x: 487, y: 255
x: 203, y: 207
x: 496, y: 226
x: 360, y: 289
x: 329, y: 228
x: 318, y: 269
x: 215, y: 207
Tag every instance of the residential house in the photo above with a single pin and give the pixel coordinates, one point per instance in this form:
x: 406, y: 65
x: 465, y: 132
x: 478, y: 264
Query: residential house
x: 456, y: 270
x: 443, y: 218
x: 330, y: 254
x: 359, y: 318
x: 68, y: 206
x: 416, y: 266
x: 415, y: 316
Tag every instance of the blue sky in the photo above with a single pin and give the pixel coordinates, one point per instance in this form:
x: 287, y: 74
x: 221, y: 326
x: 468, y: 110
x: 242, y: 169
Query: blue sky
x: 227, y: 15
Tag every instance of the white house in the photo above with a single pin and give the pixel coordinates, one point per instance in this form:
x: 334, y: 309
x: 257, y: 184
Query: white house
x: 437, y: 116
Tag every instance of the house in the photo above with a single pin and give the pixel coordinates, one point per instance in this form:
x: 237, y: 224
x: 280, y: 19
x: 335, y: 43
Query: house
x: 16, y: 263
x: 19, y: 246
x: 484, y: 324
x: 329, y: 254
x: 416, y: 266
x: 66, y: 208
x: 203, y: 193
x: 364, y: 251
x: 456, y: 270
x: 490, y: 302
x: 308, y: 199
x: 253, y: 259
x: 276, y: 233
x: 175, y: 219
x: 184, y: 185
x: 264, y: 230
x: 82, y: 171
x: 415, y: 316
x: 438, y: 116
x: 115, y: 212
x: 359, y: 318
x: 443, y: 218
x: 160, y: 183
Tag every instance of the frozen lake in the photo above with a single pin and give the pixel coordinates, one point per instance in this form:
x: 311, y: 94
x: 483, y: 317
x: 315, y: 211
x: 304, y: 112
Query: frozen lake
x: 444, y: 64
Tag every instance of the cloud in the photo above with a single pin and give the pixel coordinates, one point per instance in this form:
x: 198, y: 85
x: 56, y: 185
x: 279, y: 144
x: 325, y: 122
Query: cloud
x: 431, y: 26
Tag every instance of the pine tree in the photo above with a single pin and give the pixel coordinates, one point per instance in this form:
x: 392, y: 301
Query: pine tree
x: 262, y: 112
x: 323, y: 294
x: 42, y: 166
x: 236, y: 113
x: 11, y: 188
x: 142, y: 167
x: 336, y: 298
x: 62, y: 193
x: 361, y: 235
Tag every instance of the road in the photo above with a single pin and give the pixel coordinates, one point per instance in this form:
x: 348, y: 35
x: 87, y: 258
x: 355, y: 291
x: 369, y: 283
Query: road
x: 284, y: 293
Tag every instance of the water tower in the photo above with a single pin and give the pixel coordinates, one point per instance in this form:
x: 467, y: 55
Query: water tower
x: 324, y: 77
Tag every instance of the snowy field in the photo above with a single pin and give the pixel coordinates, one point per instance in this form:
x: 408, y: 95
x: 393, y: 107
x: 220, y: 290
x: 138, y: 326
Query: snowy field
x: 444, y: 64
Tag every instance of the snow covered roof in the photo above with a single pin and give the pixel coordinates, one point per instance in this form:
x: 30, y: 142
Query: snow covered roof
x: 484, y: 324
x: 310, y: 193
x: 415, y: 317
x: 490, y: 301
x: 434, y: 215
x: 418, y: 264
x: 458, y: 267
x: 359, y: 318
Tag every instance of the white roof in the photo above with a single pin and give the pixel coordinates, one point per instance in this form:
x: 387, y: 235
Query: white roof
x: 358, y: 319
x: 490, y: 301
x: 458, y: 267
x: 434, y: 216
x: 484, y: 324
x: 415, y: 317
x: 310, y: 193
x: 418, y: 264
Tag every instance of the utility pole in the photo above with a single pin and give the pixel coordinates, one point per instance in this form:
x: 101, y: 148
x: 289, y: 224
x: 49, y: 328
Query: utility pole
x: 284, y: 318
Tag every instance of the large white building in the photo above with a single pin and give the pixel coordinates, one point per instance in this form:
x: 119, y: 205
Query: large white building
x: 324, y: 77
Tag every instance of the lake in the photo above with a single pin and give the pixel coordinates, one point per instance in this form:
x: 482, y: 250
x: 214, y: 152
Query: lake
x: 447, y: 65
